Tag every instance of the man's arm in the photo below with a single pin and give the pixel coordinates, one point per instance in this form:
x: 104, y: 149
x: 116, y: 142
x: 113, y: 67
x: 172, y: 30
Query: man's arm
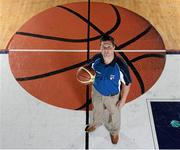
x: 126, y: 82
x: 124, y: 93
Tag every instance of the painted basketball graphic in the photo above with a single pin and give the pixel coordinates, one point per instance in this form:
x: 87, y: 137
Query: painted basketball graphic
x: 51, y: 76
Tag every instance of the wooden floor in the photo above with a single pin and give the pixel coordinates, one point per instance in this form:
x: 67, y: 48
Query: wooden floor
x: 164, y: 15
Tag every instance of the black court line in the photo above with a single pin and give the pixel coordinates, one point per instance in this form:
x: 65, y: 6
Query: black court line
x: 147, y: 56
x: 84, y: 105
x: 52, y: 72
x: 118, y: 21
x: 116, y: 25
x: 130, y: 64
x: 135, y: 38
x: 136, y: 73
x: 87, y: 86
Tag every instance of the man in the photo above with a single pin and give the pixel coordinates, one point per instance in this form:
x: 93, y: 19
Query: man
x: 112, y: 81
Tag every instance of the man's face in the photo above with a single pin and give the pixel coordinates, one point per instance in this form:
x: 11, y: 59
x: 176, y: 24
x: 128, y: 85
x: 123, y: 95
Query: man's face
x: 107, y: 48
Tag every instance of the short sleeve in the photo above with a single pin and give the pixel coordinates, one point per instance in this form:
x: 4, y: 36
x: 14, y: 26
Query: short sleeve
x: 93, y: 59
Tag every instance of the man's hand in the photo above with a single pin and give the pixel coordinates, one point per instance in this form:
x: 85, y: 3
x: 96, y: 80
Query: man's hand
x: 124, y: 93
x: 120, y: 103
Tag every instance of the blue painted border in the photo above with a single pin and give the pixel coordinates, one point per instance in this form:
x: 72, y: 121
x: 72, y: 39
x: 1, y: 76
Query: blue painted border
x: 4, y: 51
x: 174, y: 52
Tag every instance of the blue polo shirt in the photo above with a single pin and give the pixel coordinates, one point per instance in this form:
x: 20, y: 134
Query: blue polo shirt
x: 109, y: 77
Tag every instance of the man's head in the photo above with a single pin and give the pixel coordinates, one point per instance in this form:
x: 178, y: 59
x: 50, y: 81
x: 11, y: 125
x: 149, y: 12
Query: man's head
x: 107, y: 46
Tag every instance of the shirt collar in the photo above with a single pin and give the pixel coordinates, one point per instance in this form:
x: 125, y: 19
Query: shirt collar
x: 112, y: 62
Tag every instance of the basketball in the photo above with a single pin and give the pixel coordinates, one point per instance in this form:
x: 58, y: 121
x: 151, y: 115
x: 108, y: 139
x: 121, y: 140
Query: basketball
x: 85, y: 75
x: 49, y: 76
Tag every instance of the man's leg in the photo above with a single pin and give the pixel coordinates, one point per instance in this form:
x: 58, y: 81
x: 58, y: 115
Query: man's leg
x: 112, y: 122
x: 97, y: 111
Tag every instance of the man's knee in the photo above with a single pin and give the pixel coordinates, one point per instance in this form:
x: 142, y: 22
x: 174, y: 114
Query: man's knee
x: 113, y: 111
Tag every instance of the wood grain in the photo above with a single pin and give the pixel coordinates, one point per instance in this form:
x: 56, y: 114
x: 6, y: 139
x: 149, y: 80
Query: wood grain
x: 162, y: 14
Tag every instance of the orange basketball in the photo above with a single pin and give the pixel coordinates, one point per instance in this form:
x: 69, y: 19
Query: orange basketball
x: 51, y: 76
x: 85, y: 75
